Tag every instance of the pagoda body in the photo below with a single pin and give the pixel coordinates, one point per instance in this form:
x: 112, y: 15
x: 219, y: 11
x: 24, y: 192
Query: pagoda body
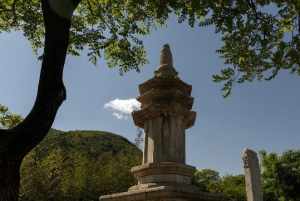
x: 165, y: 114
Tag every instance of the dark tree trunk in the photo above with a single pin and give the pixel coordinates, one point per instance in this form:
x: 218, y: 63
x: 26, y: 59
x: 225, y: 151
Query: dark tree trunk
x: 10, y: 179
x: 15, y: 143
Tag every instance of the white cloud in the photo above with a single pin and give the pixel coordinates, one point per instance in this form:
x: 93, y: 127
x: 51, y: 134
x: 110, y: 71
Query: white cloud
x: 119, y: 115
x: 122, y: 108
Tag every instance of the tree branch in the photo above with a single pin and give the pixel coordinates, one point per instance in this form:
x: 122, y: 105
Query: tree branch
x: 51, y: 90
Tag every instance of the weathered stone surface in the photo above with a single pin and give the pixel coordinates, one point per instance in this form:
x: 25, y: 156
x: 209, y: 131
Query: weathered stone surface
x: 166, y: 69
x: 165, y: 114
x: 163, y: 172
x: 252, y: 175
x: 165, y: 193
x: 165, y: 140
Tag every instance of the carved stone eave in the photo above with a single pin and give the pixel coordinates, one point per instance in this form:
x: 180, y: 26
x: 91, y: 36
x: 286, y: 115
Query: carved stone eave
x: 190, y: 119
x: 165, y: 83
x: 166, y: 71
x: 166, y: 97
x: 154, y: 111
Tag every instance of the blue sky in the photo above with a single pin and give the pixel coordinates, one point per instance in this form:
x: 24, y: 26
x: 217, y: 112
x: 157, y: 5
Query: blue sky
x: 260, y: 115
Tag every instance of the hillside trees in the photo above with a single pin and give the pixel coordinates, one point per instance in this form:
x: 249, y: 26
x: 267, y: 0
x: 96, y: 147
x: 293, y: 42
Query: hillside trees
x: 260, y: 39
x: 78, y: 165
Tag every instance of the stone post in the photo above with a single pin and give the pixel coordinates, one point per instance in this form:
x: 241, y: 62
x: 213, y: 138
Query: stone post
x: 252, y: 176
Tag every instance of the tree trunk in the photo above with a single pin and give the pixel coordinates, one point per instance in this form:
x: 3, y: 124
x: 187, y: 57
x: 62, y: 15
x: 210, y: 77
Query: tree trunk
x: 10, y: 180
x: 15, y: 143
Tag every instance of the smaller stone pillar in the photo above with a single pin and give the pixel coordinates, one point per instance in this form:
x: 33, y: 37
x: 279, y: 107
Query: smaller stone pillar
x: 252, y: 175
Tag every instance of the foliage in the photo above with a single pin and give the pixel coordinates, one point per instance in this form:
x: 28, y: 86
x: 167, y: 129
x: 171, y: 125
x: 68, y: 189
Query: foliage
x: 281, y: 175
x: 207, y: 180
x: 232, y: 186
x: 8, y: 119
x: 78, y: 165
x: 280, y: 179
x: 260, y: 38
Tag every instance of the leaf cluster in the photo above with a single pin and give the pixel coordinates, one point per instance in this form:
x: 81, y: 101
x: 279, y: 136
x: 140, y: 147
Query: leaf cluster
x: 260, y: 37
x: 8, y: 119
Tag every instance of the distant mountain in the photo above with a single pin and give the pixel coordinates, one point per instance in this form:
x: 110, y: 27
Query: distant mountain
x: 78, y: 166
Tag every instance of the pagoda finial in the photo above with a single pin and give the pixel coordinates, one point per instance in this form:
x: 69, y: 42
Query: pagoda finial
x: 166, y: 68
x: 166, y: 57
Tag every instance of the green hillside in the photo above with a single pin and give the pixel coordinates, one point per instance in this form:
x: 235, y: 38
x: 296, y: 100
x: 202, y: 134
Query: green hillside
x: 78, y: 166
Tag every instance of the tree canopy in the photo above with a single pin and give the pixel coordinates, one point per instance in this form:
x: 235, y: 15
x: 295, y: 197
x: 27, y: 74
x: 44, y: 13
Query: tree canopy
x: 260, y: 38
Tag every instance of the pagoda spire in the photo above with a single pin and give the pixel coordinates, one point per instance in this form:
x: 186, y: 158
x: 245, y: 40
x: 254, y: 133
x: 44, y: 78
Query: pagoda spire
x: 166, y: 68
x: 166, y: 57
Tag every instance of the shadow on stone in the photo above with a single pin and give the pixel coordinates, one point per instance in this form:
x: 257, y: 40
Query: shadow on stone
x: 165, y: 114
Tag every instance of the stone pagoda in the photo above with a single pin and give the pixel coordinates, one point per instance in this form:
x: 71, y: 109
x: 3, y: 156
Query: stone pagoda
x: 165, y: 114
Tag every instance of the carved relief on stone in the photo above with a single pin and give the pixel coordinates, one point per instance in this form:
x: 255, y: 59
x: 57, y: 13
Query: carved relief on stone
x: 245, y: 161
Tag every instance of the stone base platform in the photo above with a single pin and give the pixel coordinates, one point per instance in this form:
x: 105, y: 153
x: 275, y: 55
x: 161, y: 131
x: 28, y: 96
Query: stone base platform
x: 163, y: 181
x: 164, y: 193
x: 163, y: 172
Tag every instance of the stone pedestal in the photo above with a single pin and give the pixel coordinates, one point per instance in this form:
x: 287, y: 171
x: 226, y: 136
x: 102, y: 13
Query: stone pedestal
x: 164, y: 193
x: 165, y: 114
